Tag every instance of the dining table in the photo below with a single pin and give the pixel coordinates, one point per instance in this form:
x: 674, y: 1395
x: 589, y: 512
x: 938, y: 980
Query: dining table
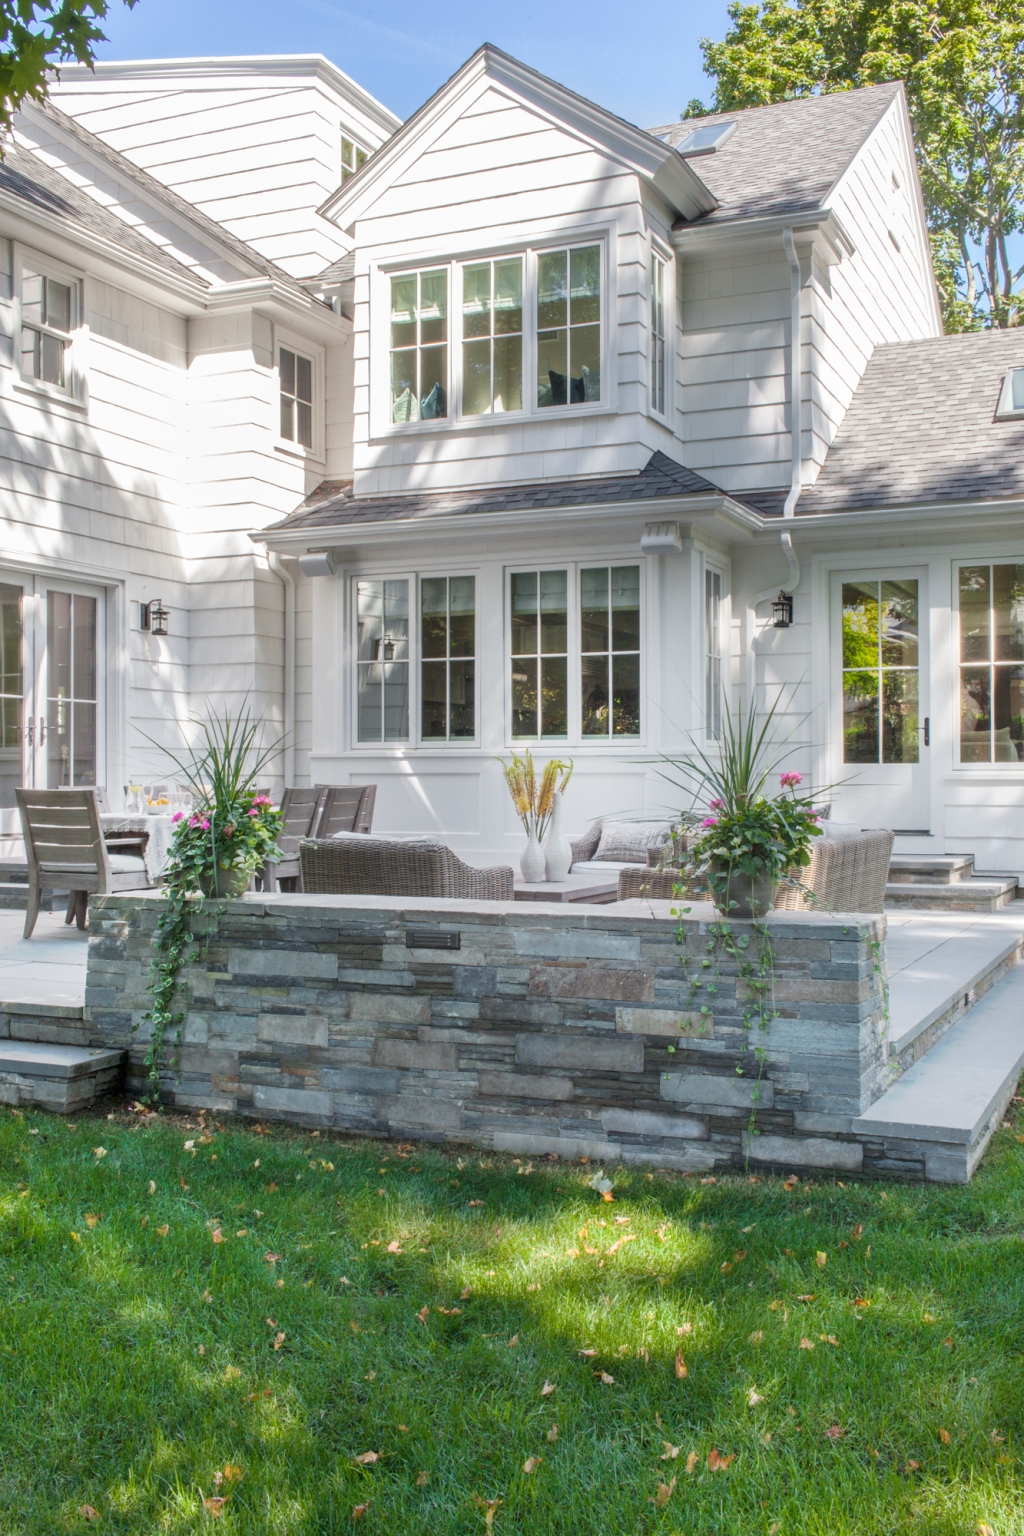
x: 158, y: 830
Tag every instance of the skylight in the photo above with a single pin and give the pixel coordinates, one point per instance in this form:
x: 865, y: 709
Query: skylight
x: 705, y: 141
x: 1011, y: 396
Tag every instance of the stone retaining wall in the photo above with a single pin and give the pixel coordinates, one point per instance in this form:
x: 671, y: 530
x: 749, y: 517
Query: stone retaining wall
x: 564, y: 1029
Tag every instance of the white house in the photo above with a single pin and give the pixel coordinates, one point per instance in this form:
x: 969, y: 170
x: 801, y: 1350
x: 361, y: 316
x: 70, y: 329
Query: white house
x: 507, y: 435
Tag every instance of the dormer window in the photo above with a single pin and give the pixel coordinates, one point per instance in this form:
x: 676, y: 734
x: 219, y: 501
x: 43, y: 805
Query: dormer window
x: 1011, y: 396
x: 419, y: 346
x: 705, y: 141
x: 353, y: 158
x: 569, y: 326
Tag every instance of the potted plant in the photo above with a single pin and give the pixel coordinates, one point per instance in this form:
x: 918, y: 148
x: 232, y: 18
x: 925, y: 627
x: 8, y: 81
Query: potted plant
x: 753, y: 837
x: 534, y: 800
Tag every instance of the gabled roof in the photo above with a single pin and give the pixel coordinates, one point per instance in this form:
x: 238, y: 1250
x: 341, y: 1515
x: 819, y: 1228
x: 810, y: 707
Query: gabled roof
x: 334, y: 506
x: 922, y: 428
x: 677, y: 181
x: 785, y: 158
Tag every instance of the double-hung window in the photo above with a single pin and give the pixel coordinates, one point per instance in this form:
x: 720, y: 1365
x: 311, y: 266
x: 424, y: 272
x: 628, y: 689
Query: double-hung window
x: 353, y: 158
x: 569, y: 326
x: 419, y: 346
x: 47, y: 321
x: 991, y: 663
x: 574, y: 653
x: 296, y: 375
x: 658, y: 335
x: 394, y: 649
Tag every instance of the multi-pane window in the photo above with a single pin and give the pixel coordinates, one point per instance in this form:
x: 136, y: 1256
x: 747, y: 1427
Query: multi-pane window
x: 352, y: 158
x: 658, y: 335
x: 610, y: 650
x: 419, y: 346
x: 991, y: 663
x: 540, y: 653
x: 71, y: 681
x: 492, y: 336
x: 713, y: 655
x: 569, y: 326
x: 47, y: 318
x: 880, y: 672
x: 447, y: 665
x: 296, y: 374
x: 382, y: 647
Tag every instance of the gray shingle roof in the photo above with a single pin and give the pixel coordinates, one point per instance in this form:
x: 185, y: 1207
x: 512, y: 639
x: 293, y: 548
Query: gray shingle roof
x: 785, y: 158
x: 922, y: 427
x: 334, y: 506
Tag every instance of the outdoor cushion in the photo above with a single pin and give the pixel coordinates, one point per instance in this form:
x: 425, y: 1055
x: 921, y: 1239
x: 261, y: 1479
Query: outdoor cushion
x: 127, y: 864
x: 627, y: 842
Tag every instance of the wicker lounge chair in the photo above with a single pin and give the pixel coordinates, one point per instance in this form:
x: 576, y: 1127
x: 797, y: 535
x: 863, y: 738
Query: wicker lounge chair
x: 361, y: 865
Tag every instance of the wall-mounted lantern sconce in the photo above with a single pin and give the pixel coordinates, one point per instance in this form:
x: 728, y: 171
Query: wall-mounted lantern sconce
x: 782, y: 611
x: 155, y: 616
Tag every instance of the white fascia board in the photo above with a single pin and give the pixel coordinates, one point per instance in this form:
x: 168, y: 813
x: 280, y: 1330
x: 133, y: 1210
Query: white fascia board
x: 267, y: 293
x: 285, y: 66
x: 648, y: 157
x: 947, y: 516
x: 825, y: 227
x: 710, y: 509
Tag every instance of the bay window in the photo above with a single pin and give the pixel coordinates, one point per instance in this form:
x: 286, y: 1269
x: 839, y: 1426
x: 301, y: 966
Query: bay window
x: 991, y: 663
x: 447, y: 664
x: 610, y: 650
x: 569, y: 326
x: 395, y: 651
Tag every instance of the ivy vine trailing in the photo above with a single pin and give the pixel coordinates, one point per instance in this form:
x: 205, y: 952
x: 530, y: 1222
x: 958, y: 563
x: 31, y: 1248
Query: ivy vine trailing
x: 231, y: 831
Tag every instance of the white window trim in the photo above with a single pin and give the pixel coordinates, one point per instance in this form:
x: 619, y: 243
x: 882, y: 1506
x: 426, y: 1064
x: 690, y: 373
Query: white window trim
x: 75, y: 391
x: 317, y: 355
x: 1005, y: 410
x: 574, y: 737
x: 659, y: 252
x: 711, y: 743
x: 1010, y: 770
x: 381, y: 274
x: 414, y: 740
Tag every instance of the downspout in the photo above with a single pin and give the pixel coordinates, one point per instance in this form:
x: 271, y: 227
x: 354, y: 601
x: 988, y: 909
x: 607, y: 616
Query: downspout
x: 288, y: 582
x: 796, y: 453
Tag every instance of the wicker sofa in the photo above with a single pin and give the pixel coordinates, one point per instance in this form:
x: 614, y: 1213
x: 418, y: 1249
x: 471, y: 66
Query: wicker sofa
x: 362, y: 865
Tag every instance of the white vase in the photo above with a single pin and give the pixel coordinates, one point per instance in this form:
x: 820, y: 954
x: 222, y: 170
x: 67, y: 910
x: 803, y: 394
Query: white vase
x: 532, y: 862
x: 557, y: 849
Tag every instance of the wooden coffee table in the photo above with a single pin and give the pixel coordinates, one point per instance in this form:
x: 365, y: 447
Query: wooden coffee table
x: 591, y: 888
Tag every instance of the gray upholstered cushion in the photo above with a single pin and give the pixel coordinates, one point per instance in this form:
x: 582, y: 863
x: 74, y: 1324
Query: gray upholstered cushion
x: 627, y: 842
x: 127, y: 864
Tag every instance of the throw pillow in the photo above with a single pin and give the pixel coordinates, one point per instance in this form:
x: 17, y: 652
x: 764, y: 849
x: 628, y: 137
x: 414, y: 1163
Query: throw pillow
x: 627, y: 842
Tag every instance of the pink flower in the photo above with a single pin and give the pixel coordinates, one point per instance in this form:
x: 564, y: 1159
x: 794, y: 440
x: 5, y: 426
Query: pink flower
x: 262, y: 800
x: 790, y: 780
x: 709, y: 821
x: 205, y: 824
x: 716, y: 805
x: 178, y: 816
x: 252, y: 812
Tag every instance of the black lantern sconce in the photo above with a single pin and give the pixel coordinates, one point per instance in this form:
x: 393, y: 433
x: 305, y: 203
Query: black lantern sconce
x: 782, y: 611
x: 155, y: 616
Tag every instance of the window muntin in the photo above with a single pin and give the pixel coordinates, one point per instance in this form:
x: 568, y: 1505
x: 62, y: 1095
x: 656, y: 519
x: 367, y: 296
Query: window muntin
x: 447, y: 658
x: 713, y: 655
x: 569, y: 326
x: 47, y: 319
x: 880, y: 672
x: 540, y: 654
x: 382, y: 666
x: 296, y: 376
x: 419, y: 346
x: 991, y: 663
x: 610, y: 650
x: 353, y: 158
x: 492, y: 336
x: 658, y: 335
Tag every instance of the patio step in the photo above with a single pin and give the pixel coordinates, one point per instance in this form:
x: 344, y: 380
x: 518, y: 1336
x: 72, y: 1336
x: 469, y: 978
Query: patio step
x: 945, y: 1108
x: 63, y: 1078
x: 939, y: 967
x: 978, y: 894
x: 936, y: 869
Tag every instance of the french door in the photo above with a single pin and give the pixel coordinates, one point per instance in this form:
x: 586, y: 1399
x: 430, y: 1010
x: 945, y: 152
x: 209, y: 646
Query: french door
x: 51, y: 688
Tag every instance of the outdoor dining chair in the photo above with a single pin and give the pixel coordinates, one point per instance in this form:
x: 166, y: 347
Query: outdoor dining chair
x: 322, y: 811
x: 65, y: 849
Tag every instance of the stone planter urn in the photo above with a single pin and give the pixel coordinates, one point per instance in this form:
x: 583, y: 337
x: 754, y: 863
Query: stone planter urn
x: 225, y: 883
x: 741, y: 895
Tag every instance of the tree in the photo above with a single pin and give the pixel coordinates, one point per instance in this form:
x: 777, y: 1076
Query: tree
x: 962, y: 62
x: 36, y: 35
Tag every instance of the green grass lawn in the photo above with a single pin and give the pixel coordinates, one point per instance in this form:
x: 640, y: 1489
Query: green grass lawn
x: 192, y: 1315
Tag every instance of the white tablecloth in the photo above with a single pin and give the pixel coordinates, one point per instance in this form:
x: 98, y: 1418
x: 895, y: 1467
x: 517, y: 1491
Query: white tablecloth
x: 160, y: 829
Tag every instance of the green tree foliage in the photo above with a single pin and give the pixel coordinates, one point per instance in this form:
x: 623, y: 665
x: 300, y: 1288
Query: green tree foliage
x: 962, y: 62
x: 36, y: 35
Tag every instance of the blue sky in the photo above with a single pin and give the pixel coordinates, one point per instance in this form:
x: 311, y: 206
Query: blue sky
x: 644, y: 64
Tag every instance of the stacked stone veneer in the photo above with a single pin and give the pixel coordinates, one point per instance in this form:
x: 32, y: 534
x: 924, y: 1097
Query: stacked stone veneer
x: 551, y: 1029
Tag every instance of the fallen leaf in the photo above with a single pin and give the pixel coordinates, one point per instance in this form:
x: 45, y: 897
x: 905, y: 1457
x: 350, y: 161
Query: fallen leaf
x: 664, y: 1493
x: 422, y: 1479
x: 684, y: 1328
x: 272, y: 1190
x: 753, y: 1398
x: 981, y: 1529
x: 92, y: 1221
x: 757, y: 1337
x: 162, y: 1231
x: 829, y: 1338
x: 552, y: 1434
x: 547, y: 1389
x: 791, y: 1182
x: 359, y: 1510
x: 835, y: 1432
x: 218, y: 1235
x: 76, y: 1237
x: 423, y: 1314
x: 692, y: 1460
x: 466, y: 1293
x: 726, y: 1268
x: 513, y: 1341
x: 367, y: 1458
x: 927, y: 1318
x: 472, y: 1203
x: 858, y: 1301
x: 808, y: 1297
x: 671, y: 1451
x: 215, y: 1505
x: 806, y: 1343
x: 488, y: 1506
x: 532, y: 1463
x: 857, y: 1233
x: 911, y: 1466
x: 271, y: 1258
x: 404, y: 1428
x: 279, y: 1339
x: 948, y: 1343
x: 609, y: 1381
x: 450, y: 1311
x: 717, y: 1463
x: 588, y: 1354
x: 99, y: 1151
x: 945, y: 1436
x: 681, y: 1367
x: 88, y: 1513
x: 821, y: 1259
x: 996, y: 1437
x: 394, y: 1246
x: 231, y: 1372
x: 709, y: 1181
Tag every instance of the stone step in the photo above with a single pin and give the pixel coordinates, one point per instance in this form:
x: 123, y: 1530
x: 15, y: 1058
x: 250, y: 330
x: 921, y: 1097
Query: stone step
x: 939, y: 966
x: 938, y: 869
x: 946, y: 1107
x: 980, y: 894
x: 63, y: 1078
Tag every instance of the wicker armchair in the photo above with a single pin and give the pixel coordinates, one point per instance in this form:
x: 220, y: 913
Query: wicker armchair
x: 584, y: 848
x: 362, y: 865
x: 846, y: 874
